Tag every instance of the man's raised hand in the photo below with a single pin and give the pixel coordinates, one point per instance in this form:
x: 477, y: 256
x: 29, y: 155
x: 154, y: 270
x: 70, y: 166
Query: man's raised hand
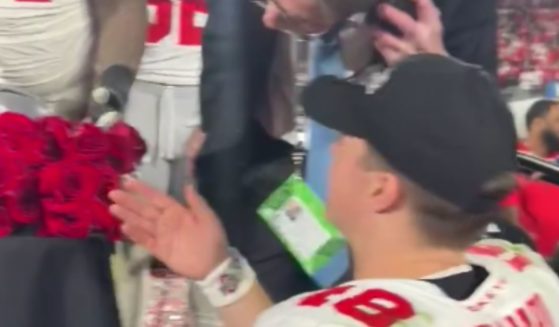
x: 424, y: 35
x: 189, y: 240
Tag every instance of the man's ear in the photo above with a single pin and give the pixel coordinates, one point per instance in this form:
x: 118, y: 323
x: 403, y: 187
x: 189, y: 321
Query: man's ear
x: 385, y: 191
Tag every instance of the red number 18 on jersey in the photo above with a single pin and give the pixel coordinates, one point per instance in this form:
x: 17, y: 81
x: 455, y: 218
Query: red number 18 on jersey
x: 374, y: 307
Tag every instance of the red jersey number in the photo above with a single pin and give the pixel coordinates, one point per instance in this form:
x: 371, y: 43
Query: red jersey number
x: 192, y: 15
x: 518, y: 262
x: 375, y: 308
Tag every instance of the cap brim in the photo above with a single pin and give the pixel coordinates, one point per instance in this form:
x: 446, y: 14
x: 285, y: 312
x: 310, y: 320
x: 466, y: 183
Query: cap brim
x: 334, y: 103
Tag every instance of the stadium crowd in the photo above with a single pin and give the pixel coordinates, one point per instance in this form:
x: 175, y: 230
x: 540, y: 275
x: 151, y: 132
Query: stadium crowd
x: 528, y: 43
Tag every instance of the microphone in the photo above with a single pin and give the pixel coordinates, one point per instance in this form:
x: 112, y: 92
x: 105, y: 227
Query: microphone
x: 373, y: 19
x: 356, y: 50
x: 111, y: 96
x: 116, y: 82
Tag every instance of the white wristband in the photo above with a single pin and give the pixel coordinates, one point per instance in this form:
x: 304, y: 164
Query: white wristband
x: 229, y: 282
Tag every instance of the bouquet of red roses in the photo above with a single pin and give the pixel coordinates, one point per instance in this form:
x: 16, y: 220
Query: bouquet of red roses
x: 55, y: 227
x: 55, y: 176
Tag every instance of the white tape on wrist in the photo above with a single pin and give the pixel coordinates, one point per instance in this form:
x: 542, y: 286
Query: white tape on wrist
x: 229, y: 282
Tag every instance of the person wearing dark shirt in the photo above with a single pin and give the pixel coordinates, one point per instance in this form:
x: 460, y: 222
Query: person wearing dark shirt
x: 240, y: 164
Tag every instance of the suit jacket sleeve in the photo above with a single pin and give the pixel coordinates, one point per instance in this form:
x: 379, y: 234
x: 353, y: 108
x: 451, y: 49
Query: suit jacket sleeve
x: 237, y: 58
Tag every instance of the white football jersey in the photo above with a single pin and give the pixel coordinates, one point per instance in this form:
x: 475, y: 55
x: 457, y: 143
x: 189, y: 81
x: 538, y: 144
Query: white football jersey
x: 45, y: 47
x: 173, y: 54
x: 520, y: 290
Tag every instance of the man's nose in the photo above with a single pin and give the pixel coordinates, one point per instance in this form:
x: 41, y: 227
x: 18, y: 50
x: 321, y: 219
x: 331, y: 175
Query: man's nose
x: 271, y: 17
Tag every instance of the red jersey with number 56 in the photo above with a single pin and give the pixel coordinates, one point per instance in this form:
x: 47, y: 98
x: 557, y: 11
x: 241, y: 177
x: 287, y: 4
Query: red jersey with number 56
x: 520, y: 291
x: 173, y: 54
x: 45, y: 47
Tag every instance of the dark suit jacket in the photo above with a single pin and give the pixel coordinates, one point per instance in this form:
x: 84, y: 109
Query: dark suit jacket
x: 237, y: 55
x: 240, y: 164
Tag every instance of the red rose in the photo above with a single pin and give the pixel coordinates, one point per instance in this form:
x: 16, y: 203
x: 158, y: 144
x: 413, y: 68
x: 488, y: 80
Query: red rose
x: 126, y: 147
x: 68, y: 181
x: 18, y: 189
x: 23, y: 202
x: 66, y: 187
x: 69, y: 220
x: 22, y: 137
x: 131, y: 135
x: 12, y: 170
x: 109, y: 182
x: 78, y: 219
x: 6, y: 226
x: 13, y: 127
x: 103, y: 221
x: 56, y: 132
x: 92, y: 145
x: 103, y: 218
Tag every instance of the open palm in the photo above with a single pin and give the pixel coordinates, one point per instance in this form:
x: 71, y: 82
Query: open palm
x: 189, y: 240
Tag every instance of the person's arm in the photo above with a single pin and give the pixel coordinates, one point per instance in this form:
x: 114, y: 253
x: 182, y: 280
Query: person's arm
x: 121, y: 34
x: 120, y: 26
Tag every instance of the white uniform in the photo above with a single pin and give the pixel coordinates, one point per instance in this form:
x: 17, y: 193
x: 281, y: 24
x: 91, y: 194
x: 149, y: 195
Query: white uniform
x: 163, y: 106
x: 163, y: 102
x: 173, y: 49
x: 45, y: 47
x: 519, y: 291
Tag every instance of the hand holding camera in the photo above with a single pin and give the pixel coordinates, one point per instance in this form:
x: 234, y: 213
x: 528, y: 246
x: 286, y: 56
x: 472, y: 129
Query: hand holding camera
x: 405, y: 27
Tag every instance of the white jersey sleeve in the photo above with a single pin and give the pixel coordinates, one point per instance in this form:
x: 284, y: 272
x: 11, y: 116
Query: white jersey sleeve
x: 520, y: 290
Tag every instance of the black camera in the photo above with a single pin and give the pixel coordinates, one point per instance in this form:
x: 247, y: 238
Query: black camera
x: 356, y: 50
x: 374, y: 19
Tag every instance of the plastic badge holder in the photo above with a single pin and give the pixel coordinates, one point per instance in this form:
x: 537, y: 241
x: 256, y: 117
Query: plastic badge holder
x: 297, y: 217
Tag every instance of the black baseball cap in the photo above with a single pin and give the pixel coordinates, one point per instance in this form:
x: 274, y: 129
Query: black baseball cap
x: 438, y: 121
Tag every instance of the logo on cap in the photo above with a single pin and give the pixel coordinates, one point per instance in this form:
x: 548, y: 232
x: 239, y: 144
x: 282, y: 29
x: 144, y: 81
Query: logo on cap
x: 376, y: 80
